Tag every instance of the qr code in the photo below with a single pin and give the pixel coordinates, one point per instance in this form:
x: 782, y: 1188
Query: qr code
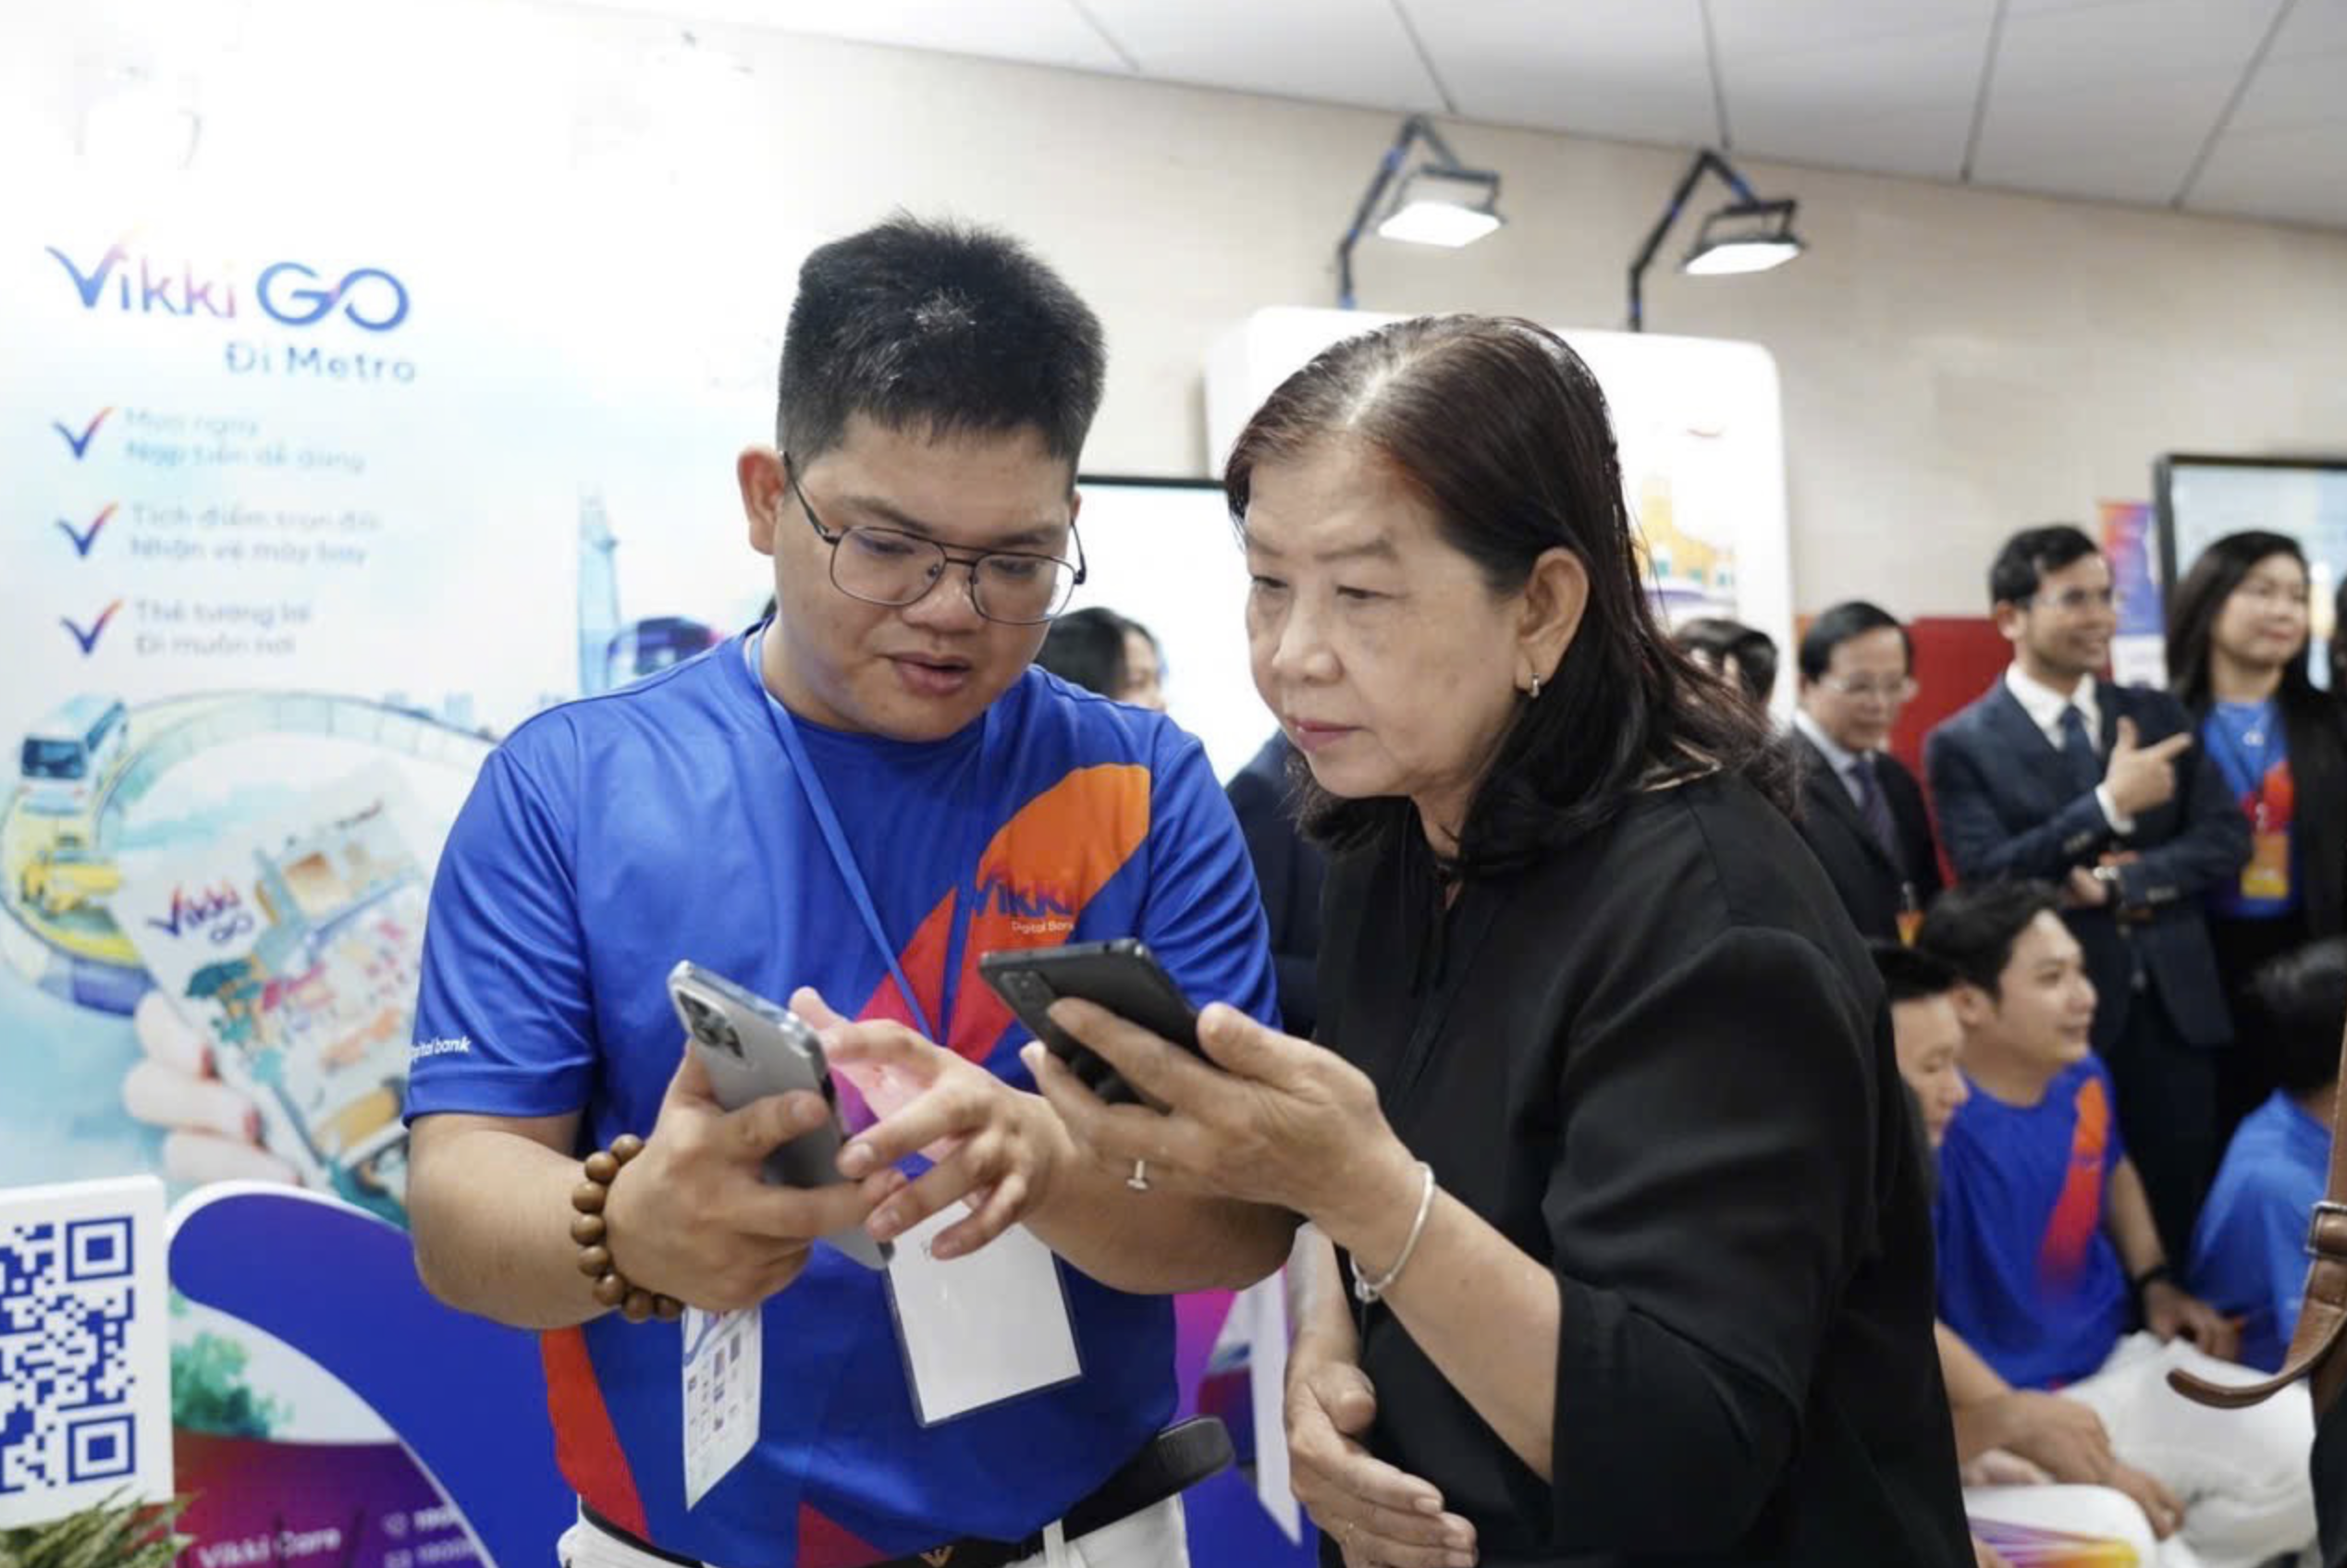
x: 67, y: 1376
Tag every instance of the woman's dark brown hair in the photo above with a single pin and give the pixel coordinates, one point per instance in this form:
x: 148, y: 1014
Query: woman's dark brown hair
x: 1503, y: 429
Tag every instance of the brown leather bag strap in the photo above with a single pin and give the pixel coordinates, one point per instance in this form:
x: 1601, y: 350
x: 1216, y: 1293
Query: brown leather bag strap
x: 2320, y: 1344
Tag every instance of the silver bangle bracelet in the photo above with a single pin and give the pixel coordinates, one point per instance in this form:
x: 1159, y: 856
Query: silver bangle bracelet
x: 1367, y: 1291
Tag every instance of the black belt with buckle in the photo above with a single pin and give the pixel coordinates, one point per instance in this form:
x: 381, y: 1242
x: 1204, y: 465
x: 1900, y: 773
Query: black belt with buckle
x: 1173, y: 1462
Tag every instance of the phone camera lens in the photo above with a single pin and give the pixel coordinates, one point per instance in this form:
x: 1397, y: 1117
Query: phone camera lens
x: 709, y: 1026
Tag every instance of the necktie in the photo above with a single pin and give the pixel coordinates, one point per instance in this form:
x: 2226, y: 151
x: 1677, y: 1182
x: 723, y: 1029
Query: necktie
x: 1873, y: 806
x: 2078, y: 751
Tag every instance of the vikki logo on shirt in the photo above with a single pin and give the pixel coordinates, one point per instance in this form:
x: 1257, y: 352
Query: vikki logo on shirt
x: 1031, y: 912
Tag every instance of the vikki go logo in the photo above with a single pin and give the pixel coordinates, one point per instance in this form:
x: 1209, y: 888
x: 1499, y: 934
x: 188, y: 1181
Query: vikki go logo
x: 291, y: 292
x: 216, y: 912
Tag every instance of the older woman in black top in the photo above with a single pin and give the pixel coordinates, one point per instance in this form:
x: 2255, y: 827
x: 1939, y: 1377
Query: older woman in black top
x: 1605, y: 1132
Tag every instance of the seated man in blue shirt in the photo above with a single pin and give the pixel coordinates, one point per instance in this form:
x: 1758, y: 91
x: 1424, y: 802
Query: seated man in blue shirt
x: 2249, y: 1253
x: 2048, y: 1256
x: 846, y: 807
x: 2013, y: 1444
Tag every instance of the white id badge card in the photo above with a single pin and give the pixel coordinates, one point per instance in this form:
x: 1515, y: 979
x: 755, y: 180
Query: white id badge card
x: 722, y: 1356
x: 980, y: 1328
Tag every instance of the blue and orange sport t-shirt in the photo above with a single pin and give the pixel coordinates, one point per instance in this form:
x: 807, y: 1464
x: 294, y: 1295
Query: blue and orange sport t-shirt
x: 609, y: 838
x: 2027, y: 1272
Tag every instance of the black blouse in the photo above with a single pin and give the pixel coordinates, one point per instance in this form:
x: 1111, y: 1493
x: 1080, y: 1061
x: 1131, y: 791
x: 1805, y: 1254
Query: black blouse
x: 1659, y: 1064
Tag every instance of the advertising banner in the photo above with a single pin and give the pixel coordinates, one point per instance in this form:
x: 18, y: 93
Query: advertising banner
x: 308, y: 509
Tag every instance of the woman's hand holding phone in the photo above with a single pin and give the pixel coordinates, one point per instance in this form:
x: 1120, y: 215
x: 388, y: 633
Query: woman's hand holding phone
x: 1260, y: 1116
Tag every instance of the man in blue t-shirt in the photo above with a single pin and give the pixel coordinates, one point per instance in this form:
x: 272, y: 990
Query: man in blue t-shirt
x: 2249, y: 1254
x: 846, y: 807
x: 2048, y: 1254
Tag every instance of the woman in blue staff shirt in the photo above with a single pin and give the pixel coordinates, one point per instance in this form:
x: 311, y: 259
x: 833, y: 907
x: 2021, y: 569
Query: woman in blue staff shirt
x: 2236, y: 640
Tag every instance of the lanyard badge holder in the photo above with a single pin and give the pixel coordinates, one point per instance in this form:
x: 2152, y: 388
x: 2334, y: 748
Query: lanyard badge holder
x: 987, y: 1327
x: 2242, y: 761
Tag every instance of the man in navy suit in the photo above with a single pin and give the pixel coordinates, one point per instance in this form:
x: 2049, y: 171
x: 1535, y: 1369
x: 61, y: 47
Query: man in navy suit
x: 2053, y: 774
x: 1861, y: 811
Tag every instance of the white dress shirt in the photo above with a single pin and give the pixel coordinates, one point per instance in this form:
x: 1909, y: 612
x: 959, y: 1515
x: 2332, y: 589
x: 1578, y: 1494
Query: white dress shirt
x: 1844, y: 762
x: 2045, y: 706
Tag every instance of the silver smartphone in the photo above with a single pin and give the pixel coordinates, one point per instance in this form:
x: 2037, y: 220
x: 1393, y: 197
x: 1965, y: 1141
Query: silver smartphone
x: 753, y: 1048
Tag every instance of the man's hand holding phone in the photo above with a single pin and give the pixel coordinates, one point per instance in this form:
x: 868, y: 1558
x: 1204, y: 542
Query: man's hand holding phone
x: 693, y: 1215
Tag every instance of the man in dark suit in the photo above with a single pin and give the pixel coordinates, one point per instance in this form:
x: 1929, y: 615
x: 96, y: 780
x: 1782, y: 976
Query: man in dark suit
x: 1289, y: 869
x: 1861, y: 811
x: 2095, y: 787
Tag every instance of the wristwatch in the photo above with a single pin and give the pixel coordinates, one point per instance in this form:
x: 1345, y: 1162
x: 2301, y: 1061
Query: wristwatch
x: 2121, y: 911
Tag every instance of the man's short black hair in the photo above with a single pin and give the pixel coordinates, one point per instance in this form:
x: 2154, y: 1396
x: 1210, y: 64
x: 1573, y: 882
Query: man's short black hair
x: 1753, y: 649
x: 939, y: 328
x: 1085, y: 648
x: 1972, y: 929
x: 1911, y: 974
x: 2302, y: 1000
x: 2028, y: 556
x: 1852, y: 618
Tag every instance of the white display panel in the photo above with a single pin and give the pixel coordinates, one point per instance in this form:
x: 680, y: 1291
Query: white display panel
x: 2202, y: 499
x: 1698, y: 423
x: 1161, y: 552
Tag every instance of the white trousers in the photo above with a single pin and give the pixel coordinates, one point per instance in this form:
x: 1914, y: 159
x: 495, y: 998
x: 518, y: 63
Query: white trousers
x: 2240, y: 1473
x: 1156, y: 1536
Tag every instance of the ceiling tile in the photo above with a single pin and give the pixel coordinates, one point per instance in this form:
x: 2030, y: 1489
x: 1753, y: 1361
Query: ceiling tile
x: 1338, y: 51
x: 1920, y: 143
x: 1749, y: 30
x: 2311, y: 90
x: 2295, y: 175
x: 2105, y: 99
x: 2048, y: 53
x: 1847, y: 81
x: 2312, y: 27
x: 2112, y: 101
x: 1633, y: 69
x: 1047, y: 32
x: 2114, y: 140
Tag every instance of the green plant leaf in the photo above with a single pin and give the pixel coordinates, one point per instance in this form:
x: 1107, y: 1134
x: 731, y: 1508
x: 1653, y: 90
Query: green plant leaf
x: 116, y: 1533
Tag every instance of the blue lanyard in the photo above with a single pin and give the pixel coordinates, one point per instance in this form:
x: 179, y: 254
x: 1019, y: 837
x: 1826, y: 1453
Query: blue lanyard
x: 819, y: 800
x: 2246, y: 767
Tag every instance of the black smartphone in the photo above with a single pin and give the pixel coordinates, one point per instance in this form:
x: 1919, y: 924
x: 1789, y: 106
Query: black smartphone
x: 1123, y: 977
x: 753, y: 1048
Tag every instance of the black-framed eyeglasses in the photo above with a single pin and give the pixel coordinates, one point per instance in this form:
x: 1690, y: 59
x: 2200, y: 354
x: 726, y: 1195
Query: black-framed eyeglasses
x: 888, y: 566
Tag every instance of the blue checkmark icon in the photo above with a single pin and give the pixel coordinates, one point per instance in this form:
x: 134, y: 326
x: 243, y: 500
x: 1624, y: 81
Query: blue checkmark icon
x: 81, y: 444
x: 85, y: 537
x: 89, y: 640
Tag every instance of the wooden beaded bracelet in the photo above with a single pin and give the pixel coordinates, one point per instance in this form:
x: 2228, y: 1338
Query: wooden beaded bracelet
x: 589, y: 1230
